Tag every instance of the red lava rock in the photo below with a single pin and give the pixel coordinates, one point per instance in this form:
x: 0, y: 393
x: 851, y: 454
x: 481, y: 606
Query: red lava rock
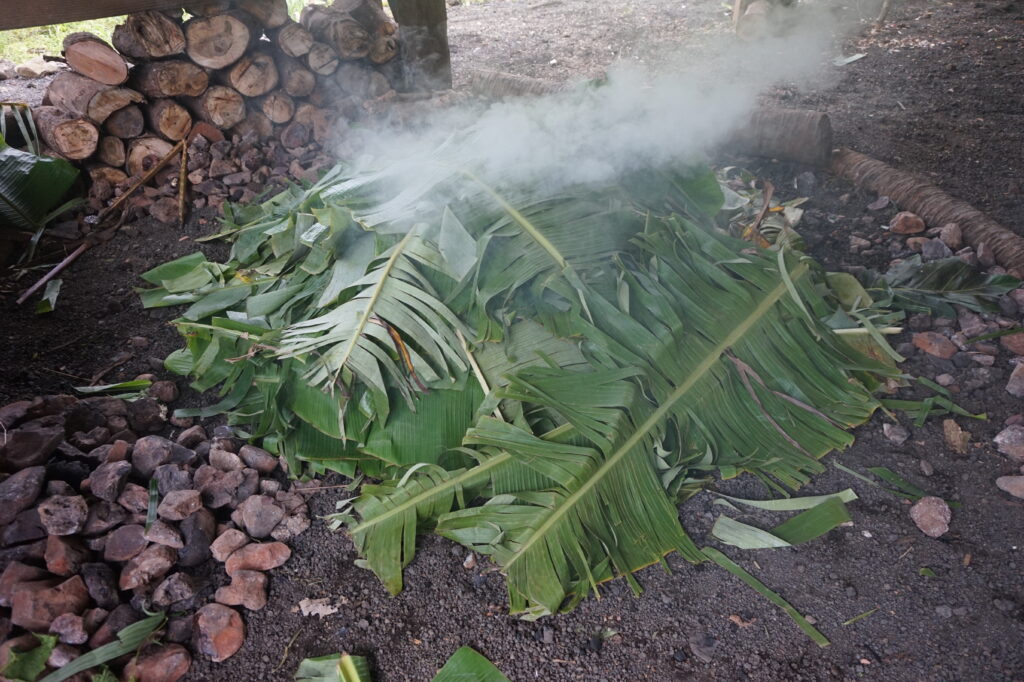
x: 177, y: 587
x: 167, y: 663
x: 103, y: 516
x: 135, y: 498
x: 148, y: 453
x: 1015, y: 386
x: 291, y: 527
x: 225, y: 461
x: 217, y: 487
x: 192, y: 436
x: 65, y: 556
x: 29, y: 447
x: 906, y: 222
x: 198, y: 532
x: 179, y: 629
x: 1013, y: 343
x: 932, y: 516
x: 19, y: 491
x: 63, y: 514
x: 35, y: 605
x: 260, y: 515
x: 171, y: 477
x: 108, y: 480
x: 146, y: 415
x: 12, y: 413
x: 1010, y: 442
x: 218, y: 632
x: 247, y: 588
x: 164, y: 391
x: 935, y: 344
x: 15, y: 574
x: 92, y: 619
x: 952, y: 236
x: 1011, y: 484
x: 249, y: 486
x: 125, y: 543
x: 258, y: 459
x: 25, y: 527
x: 258, y: 557
x: 94, y: 438
x: 62, y: 654
x: 70, y: 628
x: 151, y: 565
x: 227, y: 543
x: 164, y: 534
x: 99, y: 581
x: 179, y: 504
x: 121, y: 617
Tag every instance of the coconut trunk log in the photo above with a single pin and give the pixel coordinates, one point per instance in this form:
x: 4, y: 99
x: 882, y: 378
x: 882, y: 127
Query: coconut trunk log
x: 125, y: 123
x: 270, y: 13
x: 168, y: 119
x: 935, y: 207
x: 148, y: 35
x: 71, y: 137
x: 115, y: 176
x: 219, y: 106
x: 322, y: 59
x: 173, y: 78
x: 207, y: 9
x: 254, y: 75
x: 294, y: 78
x: 278, y: 107
x: 789, y: 134
x: 87, y: 98
x: 423, y: 34
x: 95, y: 58
x: 144, y: 153
x: 111, y: 151
x: 218, y: 41
x: 293, y: 39
x: 256, y: 122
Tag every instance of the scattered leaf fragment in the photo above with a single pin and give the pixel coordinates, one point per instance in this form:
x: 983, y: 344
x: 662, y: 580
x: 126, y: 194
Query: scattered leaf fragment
x: 957, y: 438
x: 317, y: 607
x: 740, y: 622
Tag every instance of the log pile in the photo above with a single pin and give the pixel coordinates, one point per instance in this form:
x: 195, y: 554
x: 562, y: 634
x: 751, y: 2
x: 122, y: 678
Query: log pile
x: 258, y: 95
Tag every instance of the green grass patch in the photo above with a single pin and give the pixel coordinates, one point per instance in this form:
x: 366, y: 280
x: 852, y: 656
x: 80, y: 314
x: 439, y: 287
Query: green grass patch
x: 22, y: 44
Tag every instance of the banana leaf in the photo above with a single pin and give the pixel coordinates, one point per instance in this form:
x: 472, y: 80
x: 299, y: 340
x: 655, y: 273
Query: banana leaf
x: 31, y: 187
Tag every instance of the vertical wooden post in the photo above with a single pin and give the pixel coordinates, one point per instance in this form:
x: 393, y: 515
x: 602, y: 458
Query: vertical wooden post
x: 424, y: 39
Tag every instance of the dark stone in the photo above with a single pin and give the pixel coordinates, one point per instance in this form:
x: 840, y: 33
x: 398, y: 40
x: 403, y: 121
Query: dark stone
x: 198, y: 532
x: 19, y: 491
x: 103, y: 516
x: 25, y: 527
x: 101, y: 583
x: 63, y: 514
x: 125, y: 543
x: 146, y: 415
x: 27, y: 447
x: 171, y: 477
x: 108, y: 480
x: 120, y: 617
x: 91, y: 439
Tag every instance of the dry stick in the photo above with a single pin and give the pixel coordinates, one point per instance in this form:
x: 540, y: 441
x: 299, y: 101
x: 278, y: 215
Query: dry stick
x: 103, y: 215
x: 936, y: 207
x: 182, y: 183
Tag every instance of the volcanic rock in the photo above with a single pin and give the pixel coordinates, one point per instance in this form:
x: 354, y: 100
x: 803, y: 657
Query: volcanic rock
x: 218, y: 632
x: 177, y: 587
x: 952, y: 236
x: 217, y: 487
x: 935, y: 344
x: 62, y: 654
x: 171, y: 477
x: 151, y: 565
x: 108, y: 480
x: 179, y: 504
x: 134, y: 498
x: 35, y: 605
x: 1015, y: 386
x: 247, y: 588
x: 65, y: 556
x: 25, y: 527
x: 198, y: 532
x: 192, y: 436
x: 258, y: 459
x: 227, y: 543
x: 932, y: 516
x: 93, y: 439
x: 1010, y: 442
x: 291, y: 527
x: 164, y: 534
x: 906, y: 222
x: 121, y: 617
x: 15, y: 574
x: 29, y: 447
x: 1013, y: 343
x: 224, y: 460
x: 150, y: 452
x: 103, y: 516
x: 1011, y: 484
x: 146, y: 415
x: 258, y: 557
x: 12, y: 413
x: 164, y: 391
x: 70, y: 628
x: 19, y: 491
x: 63, y: 514
x: 125, y: 543
x: 260, y: 515
x: 249, y: 486
x: 99, y: 581
x: 167, y: 663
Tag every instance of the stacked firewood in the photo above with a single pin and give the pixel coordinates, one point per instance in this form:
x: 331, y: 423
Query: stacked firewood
x: 234, y: 72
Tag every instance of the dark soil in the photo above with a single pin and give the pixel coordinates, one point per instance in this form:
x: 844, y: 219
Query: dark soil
x: 938, y: 93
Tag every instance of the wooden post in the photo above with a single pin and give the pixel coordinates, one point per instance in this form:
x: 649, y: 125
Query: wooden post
x: 424, y: 43
x: 43, y: 12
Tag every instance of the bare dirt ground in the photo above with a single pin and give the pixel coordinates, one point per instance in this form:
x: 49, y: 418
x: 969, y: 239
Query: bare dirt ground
x: 939, y: 92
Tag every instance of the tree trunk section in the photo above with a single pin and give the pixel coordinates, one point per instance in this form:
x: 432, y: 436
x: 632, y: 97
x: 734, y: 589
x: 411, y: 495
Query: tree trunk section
x: 253, y: 75
x: 169, y: 119
x: 789, y: 134
x: 111, y: 151
x: 125, y: 123
x: 174, y: 78
x: 423, y: 31
x: 278, y: 107
x: 218, y: 41
x: 322, y: 59
x: 148, y: 35
x: 295, y: 78
x: 95, y: 59
x: 255, y: 122
x: 71, y: 137
x: 146, y: 152
x: 270, y: 13
x: 85, y: 97
x: 934, y: 206
x: 295, y: 135
x: 220, y: 106
x: 115, y: 176
x: 208, y: 9
x: 293, y: 39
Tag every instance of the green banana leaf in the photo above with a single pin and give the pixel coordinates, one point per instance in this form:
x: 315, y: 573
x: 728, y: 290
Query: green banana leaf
x: 31, y: 187
x: 466, y: 665
x: 334, y: 668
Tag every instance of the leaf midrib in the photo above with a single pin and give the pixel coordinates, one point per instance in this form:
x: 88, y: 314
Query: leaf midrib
x: 653, y: 420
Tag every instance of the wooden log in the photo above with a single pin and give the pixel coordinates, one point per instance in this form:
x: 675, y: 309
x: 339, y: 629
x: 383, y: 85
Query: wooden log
x: 168, y: 119
x: 423, y: 32
x: 111, y: 151
x: 293, y: 39
x: 257, y: 123
x: 278, y: 107
x: 207, y: 9
x: 294, y: 135
x: 115, y: 176
x: 295, y: 79
x: 144, y: 152
x: 220, y: 106
x: 317, y: 120
x: 361, y: 81
x: 95, y: 58
x: 253, y: 75
x: 51, y: 12
x: 789, y: 134
x: 70, y: 136
x: 382, y: 29
x: 125, y: 123
x: 211, y: 133
x: 172, y: 78
x: 87, y: 98
x: 148, y: 35
x: 322, y: 59
x: 218, y: 41
x: 270, y: 13
x: 499, y: 84
x: 912, y: 193
x: 755, y: 20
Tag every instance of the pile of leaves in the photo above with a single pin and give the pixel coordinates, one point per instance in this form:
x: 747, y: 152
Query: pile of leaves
x: 538, y: 375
